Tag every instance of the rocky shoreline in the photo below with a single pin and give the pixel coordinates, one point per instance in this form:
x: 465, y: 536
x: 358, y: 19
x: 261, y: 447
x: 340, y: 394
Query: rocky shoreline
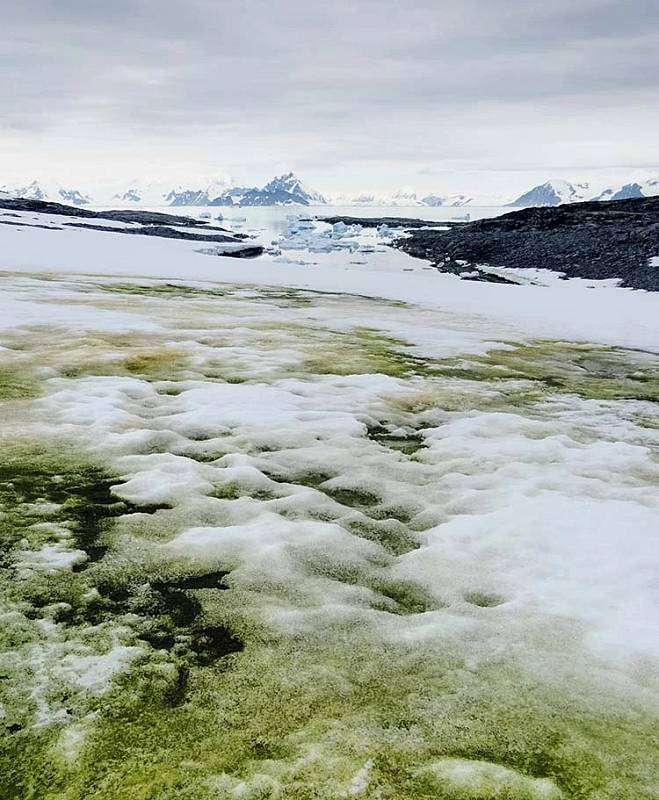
x: 144, y: 223
x: 595, y: 241
x: 390, y: 222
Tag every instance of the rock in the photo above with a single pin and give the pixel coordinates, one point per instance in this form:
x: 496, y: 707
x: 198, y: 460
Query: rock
x: 595, y: 240
x: 390, y: 222
x: 147, y: 223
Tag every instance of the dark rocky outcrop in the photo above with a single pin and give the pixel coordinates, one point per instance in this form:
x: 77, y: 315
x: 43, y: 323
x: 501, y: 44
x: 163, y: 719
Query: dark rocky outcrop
x: 163, y: 232
x: 594, y: 240
x: 141, y: 217
x: 146, y: 223
x: 391, y: 222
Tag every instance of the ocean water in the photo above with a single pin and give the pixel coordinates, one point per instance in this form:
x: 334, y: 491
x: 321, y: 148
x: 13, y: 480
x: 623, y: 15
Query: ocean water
x: 268, y: 221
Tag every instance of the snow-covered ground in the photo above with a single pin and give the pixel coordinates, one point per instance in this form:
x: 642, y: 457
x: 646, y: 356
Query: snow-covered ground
x: 575, y: 310
x: 357, y: 528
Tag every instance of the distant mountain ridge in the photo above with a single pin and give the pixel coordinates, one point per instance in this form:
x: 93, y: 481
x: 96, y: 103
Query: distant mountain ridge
x: 558, y: 192
x: 283, y: 190
x: 402, y: 198
x: 289, y: 190
x: 38, y: 191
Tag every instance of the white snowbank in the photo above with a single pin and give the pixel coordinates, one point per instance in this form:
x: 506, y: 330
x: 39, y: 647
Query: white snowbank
x: 552, y: 525
x: 50, y: 557
x: 607, y: 315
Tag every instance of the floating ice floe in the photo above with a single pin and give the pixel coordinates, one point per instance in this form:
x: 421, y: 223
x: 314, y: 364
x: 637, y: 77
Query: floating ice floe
x: 385, y: 232
x: 318, y: 237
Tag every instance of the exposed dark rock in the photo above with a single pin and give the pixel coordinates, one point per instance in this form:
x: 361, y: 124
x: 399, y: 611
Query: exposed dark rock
x: 249, y: 251
x: 161, y: 231
x: 16, y: 223
x: 142, y: 217
x: 156, y: 218
x: 595, y: 240
x: 147, y: 223
x: 205, y: 580
x: 391, y: 222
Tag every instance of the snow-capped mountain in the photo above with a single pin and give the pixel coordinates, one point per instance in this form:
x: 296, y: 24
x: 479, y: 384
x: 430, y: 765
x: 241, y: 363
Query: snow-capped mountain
x: 131, y: 195
x: 290, y: 184
x: 188, y: 197
x: 31, y: 191
x: 198, y: 193
x: 553, y: 193
x: 402, y: 198
x: 435, y: 201
x: 556, y: 192
x: 405, y: 197
x: 39, y: 191
x: 74, y: 197
x: 288, y: 189
x: 361, y: 199
x: 283, y: 190
x: 648, y: 188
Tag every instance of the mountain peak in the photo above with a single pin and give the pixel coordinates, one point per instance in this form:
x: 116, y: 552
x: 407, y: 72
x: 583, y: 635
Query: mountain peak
x: 552, y: 193
x: 283, y: 190
x: 290, y: 183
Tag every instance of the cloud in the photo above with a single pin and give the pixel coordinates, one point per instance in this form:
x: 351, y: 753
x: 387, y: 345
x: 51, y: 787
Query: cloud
x: 417, y: 86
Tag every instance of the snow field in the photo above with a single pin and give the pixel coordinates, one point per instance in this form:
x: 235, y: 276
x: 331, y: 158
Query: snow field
x: 431, y: 543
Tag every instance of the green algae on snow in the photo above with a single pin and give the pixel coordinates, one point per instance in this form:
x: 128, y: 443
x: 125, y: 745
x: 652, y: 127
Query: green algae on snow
x: 366, y: 351
x: 590, y: 371
x: 16, y: 383
x: 41, y: 484
x: 302, y: 717
x: 215, y: 702
x: 297, y: 716
x: 152, y: 364
x: 174, y: 290
x: 52, y: 500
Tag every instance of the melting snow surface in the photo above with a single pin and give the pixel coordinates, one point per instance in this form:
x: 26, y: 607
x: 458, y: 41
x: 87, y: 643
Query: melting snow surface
x: 263, y: 420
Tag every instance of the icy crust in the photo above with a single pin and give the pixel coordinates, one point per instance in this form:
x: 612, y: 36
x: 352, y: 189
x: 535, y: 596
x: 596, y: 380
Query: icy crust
x: 272, y: 543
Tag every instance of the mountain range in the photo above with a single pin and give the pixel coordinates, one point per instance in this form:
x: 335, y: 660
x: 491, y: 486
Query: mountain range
x: 284, y: 190
x: 40, y: 191
x: 289, y: 190
x: 557, y: 192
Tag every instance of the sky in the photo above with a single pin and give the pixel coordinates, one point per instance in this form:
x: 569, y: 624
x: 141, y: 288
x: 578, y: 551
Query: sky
x: 354, y: 95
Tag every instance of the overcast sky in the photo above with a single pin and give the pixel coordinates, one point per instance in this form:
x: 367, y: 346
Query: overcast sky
x: 352, y: 94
